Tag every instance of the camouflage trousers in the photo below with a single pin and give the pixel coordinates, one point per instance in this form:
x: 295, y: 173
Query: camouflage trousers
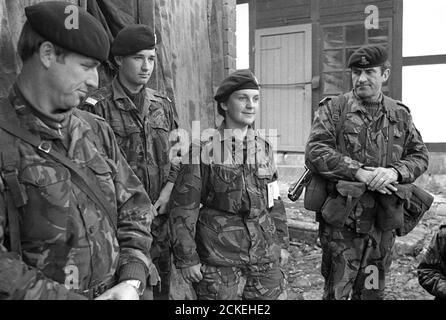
x: 251, y: 282
x: 161, y: 256
x: 354, y: 265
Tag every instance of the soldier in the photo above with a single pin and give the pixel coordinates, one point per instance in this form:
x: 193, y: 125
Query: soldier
x: 233, y: 245
x: 74, y: 218
x: 367, y: 137
x: 142, y: 120
x: 432, y: 269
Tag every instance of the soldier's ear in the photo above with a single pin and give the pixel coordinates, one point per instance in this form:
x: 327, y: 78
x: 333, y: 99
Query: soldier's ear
x: 386, y: 74
x: 47, y: 54
x: 118, y: 60
x: 224, y: 106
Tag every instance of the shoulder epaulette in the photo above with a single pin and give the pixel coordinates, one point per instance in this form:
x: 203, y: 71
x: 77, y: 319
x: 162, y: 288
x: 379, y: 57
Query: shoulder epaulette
x: 97, y: 96
x: 88, y: 116
x: 91, y: 101
x: 325, y: 100
x: 159, y: 94
x: 402, y: 105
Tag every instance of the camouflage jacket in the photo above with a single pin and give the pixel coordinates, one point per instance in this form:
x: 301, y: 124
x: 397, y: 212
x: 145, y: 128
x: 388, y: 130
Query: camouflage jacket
x: 365, y: 140
x: 142, y: 133
x: 432, y: 269
x: 234, y: 225
x: 67, y: 242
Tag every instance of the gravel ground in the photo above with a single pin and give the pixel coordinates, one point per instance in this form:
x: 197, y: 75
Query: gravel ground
x: 306, y: 283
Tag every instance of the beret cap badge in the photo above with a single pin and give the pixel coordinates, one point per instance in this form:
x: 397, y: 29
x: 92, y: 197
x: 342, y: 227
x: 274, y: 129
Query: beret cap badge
x: 364, y: 61
x: 368, y: 56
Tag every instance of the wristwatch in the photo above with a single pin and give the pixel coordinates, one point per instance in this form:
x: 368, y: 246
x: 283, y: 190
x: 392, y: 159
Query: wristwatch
x: 137, y: 285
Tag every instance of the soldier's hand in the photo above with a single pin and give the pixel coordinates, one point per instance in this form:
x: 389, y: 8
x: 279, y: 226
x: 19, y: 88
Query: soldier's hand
x: 163, y: 200
x: 122, y: 291
x: 364, y: 175
x: 389, y: 189
x: 284, y: 256
x: 193, y: 273
x: 383, y: 178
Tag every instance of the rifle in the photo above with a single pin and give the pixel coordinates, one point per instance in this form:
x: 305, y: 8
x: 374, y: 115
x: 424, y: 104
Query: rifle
x: 296, y: 188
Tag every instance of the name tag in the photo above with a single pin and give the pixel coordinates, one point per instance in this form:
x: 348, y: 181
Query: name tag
x: 273, y: 193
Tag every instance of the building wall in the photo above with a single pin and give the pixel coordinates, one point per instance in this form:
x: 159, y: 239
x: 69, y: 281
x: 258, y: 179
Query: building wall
x: 321, y: 13
x: 278, y: 13
x: 197, y: 49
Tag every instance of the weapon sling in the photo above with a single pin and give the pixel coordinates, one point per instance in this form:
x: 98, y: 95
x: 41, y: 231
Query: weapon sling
x: 78, y: 177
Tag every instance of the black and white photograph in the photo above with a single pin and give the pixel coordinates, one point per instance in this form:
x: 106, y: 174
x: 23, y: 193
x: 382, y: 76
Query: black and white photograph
x: 226, y: 158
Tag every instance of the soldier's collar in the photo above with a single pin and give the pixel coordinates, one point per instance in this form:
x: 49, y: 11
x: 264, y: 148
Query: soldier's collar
x: 118, y: 90
x: 391, y: 112
x: 360, y: 105
x: 230, y: 133
x: 51, y: 124
x: 119, y: 93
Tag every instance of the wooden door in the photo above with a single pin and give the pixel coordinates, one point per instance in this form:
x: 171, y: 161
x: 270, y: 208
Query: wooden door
x: 283, y: 67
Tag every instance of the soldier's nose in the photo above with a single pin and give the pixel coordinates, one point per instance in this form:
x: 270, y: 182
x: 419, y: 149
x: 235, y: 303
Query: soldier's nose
x: 93, y: 79
x: 362, y: 77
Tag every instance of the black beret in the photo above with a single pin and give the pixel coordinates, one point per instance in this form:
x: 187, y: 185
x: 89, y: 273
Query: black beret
x: 132, y: 39
x: 368, y: 57
x: 238, y: 80
x: 48, y: 19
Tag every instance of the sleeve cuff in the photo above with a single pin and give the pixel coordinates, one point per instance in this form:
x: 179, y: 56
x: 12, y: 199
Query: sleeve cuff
x: 187, y: 261
x: 133, y: 271
x: 403, y: 172
x: 173, y: 174
x: 354, y: 166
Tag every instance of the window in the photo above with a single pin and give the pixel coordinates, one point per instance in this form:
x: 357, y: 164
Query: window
x: 424, y: 64
x: 338, y: 43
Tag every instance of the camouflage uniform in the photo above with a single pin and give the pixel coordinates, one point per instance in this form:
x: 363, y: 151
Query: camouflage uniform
x: 432, y: 269
x: 65, y: 238
x: 142, y: 133
x: 234, y: 234
x: 365, y: 134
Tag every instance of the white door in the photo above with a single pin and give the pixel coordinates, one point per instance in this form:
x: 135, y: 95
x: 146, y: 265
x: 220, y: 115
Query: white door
x: 283, y: 67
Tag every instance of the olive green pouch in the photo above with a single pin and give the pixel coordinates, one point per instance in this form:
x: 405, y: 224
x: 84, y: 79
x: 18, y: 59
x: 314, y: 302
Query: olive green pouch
x: 415, y: 204
x: 338, y: 207
x: 390, y: 215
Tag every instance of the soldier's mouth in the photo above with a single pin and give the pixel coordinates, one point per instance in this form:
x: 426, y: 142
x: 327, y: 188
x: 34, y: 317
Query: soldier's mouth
x: 83, y: 93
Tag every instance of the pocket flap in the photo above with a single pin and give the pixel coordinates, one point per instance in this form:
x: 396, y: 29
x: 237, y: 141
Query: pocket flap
x: 350, y: 188
x: 404, y: 191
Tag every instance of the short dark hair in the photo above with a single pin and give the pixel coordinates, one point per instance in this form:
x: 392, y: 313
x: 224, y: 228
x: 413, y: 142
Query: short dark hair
x: 30, y: 42
x: 220, y: 110
x: 386, y: 65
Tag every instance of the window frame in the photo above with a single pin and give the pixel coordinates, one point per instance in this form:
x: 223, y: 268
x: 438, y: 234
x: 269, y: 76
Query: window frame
x: 389, y: 85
